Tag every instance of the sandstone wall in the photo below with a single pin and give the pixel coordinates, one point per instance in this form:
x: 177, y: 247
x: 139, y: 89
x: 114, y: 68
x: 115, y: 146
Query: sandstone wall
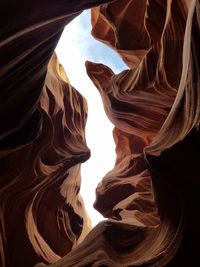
x: 150, y: 198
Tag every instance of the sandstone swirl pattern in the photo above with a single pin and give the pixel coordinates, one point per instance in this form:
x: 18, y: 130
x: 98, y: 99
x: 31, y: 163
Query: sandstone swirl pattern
x: 42, y: 141
x: 151, y: 196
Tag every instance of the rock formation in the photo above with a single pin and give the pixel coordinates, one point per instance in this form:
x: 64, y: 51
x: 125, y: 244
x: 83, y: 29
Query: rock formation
x: 150, y: 197
x: 42, y: 140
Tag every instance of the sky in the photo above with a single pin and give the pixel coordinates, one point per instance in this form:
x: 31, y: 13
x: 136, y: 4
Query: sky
x: 74, y: 48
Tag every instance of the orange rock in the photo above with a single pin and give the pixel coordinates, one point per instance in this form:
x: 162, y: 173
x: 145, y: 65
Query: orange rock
x: 150, y: 203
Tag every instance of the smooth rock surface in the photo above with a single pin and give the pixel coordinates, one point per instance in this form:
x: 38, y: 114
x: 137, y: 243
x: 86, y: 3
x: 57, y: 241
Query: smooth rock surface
x: 150, y: 197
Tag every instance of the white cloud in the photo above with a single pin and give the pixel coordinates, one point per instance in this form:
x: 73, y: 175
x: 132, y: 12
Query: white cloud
x: 74, y: 48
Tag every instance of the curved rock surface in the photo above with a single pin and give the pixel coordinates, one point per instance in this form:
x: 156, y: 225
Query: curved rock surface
x: 42, y: 140
x: 150, y: 198
x: 40, y: 181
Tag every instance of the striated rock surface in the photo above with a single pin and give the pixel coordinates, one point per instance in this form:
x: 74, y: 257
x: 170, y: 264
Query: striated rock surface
x: 42, y: 141
x: 150, y: 198
x: 40, y: 181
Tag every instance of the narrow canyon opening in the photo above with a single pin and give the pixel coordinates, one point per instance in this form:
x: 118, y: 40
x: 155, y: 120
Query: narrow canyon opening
x: 75, y: 47
x: 148, y: 180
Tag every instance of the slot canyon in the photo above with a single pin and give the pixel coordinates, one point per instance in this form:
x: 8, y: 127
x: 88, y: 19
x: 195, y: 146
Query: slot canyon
x: 149, y: 200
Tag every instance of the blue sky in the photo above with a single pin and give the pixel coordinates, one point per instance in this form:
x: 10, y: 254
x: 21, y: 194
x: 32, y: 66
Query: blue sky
x: 95, y: 50
x: 74, y: 48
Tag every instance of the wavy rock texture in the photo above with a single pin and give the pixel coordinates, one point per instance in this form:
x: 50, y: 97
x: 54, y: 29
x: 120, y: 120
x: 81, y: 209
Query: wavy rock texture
x: 42, y: 142
x: 151, y: 213
x: 40, y: 182
x: 154, y: 106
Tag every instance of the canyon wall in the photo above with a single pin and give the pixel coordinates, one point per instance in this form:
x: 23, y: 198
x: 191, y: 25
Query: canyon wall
x: 42, y: 140
x: 150, y: 198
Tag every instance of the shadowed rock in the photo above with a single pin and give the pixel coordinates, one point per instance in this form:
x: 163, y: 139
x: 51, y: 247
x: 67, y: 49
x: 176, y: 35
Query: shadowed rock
x: 42, y: 140
x: 150, y: 197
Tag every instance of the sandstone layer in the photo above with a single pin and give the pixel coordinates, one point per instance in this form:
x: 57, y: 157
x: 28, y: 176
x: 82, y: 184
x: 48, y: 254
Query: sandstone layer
x: 150, y: 198
x: 42, y: 140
